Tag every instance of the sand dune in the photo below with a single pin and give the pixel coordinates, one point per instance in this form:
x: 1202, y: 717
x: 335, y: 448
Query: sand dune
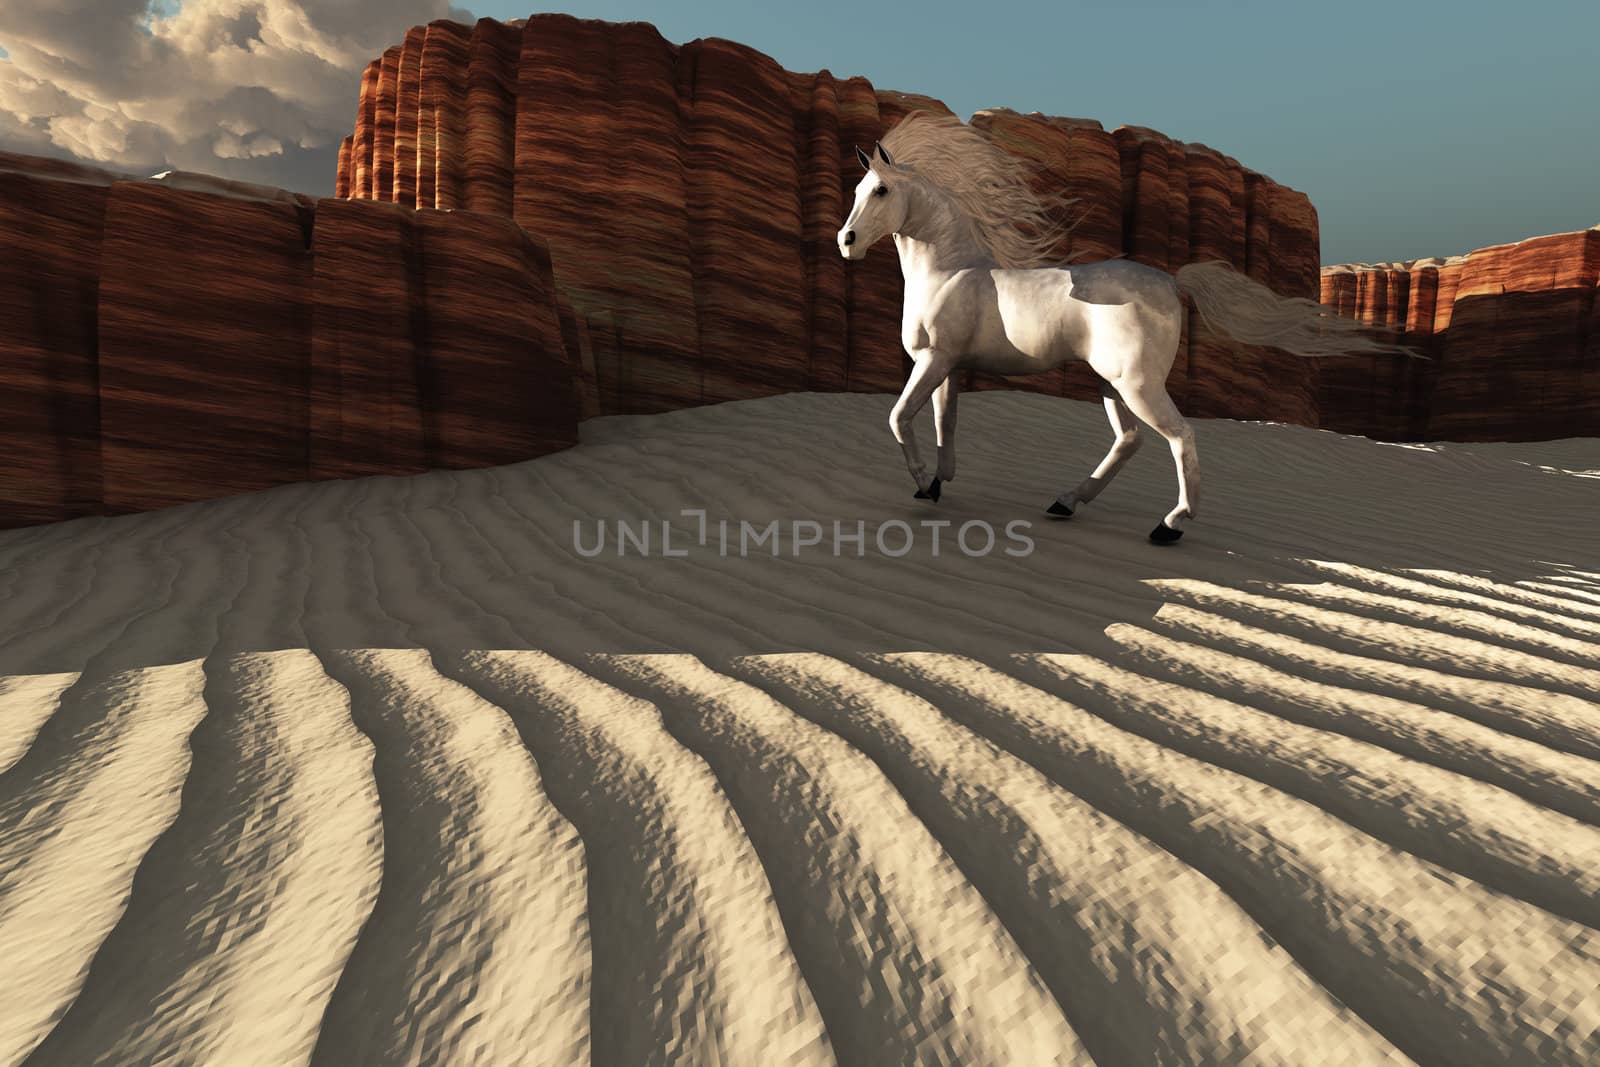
x: 396, y: 771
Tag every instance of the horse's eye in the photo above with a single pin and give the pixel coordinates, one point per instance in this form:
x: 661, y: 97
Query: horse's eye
x: 882, y: 190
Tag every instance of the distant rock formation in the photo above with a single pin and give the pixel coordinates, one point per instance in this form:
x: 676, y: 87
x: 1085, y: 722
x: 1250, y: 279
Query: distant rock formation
x: 691, y: 194
x: 180, y: 339
x: 1514, y: 335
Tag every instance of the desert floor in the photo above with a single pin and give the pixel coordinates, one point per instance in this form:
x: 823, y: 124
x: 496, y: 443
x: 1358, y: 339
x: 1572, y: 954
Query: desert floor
x: 387, y: 771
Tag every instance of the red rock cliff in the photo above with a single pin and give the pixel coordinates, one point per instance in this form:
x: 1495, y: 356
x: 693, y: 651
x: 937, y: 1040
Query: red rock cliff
x: 1513, y: 332
x: 690, y: 196
x: 175, y: 340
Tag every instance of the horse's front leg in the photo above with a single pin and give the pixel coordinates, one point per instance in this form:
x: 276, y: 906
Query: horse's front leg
x: 944, y: 426
x: 928, y: 370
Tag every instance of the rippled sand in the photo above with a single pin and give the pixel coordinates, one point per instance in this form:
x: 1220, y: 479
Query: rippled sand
x: 386, y: 771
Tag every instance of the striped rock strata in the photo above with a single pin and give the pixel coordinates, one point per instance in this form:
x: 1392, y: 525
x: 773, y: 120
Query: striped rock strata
x: 690, y: 196
x: 1514, y: 335
x: 185, y: 338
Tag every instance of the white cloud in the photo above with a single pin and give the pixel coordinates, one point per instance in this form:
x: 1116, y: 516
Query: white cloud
x: 256, y: 145
x: 257, y: 89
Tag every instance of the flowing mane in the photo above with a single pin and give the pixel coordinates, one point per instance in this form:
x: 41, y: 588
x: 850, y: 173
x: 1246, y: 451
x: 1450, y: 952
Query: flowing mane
x: 989, y: 184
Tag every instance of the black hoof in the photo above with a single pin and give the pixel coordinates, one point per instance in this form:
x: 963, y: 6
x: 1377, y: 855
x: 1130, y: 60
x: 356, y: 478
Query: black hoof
x: 1164, y: 534
x: 1059, y: 510
x: 930, y: 493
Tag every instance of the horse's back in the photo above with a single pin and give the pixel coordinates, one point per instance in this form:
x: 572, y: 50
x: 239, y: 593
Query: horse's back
x: 1094, y: 312
x: 1123, y: 281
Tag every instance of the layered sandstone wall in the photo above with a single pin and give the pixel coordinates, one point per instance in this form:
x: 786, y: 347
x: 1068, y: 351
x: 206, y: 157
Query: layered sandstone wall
x: 1514, y: 335
x: 691, y: 194
x: 181, y: 339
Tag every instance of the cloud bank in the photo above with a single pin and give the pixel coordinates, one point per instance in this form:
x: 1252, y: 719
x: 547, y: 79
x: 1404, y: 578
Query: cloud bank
x: 255, y: 89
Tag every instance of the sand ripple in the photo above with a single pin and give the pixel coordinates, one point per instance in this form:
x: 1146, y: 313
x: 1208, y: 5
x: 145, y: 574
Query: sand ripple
x: 385, y: 771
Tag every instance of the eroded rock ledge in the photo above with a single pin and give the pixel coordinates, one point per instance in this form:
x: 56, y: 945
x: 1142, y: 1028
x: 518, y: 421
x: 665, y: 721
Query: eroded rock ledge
x: 183, y: 338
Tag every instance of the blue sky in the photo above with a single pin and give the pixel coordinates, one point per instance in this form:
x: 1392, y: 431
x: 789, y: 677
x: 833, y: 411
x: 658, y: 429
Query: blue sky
x: 1417, y: 128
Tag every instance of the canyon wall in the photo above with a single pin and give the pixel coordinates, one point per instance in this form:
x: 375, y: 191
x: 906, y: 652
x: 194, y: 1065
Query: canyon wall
x: 1513, y: 332
x: 188, y: 338
x: 582, y: 218
x: 690, y: 196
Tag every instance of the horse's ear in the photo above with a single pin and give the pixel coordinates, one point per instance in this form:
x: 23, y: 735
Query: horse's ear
x: 882, y: 153
x: 866, y: 164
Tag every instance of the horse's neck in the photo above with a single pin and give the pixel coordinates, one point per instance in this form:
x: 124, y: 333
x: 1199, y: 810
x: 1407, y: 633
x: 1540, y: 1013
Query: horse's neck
x: 938, y: 239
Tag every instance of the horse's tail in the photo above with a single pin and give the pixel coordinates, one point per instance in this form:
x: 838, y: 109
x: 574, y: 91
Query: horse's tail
x: 1248, y: 311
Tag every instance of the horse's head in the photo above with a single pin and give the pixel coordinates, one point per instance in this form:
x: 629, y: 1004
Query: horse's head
x: 880, y: 206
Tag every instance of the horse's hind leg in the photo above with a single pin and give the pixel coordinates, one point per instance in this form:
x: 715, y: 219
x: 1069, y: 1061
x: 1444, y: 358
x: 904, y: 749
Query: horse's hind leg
x: 944, y: 427
x: 1122, y: 449
x: 1153, y: 406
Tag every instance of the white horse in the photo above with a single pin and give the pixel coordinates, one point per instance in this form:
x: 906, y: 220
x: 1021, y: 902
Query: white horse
x: 973, y: 242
